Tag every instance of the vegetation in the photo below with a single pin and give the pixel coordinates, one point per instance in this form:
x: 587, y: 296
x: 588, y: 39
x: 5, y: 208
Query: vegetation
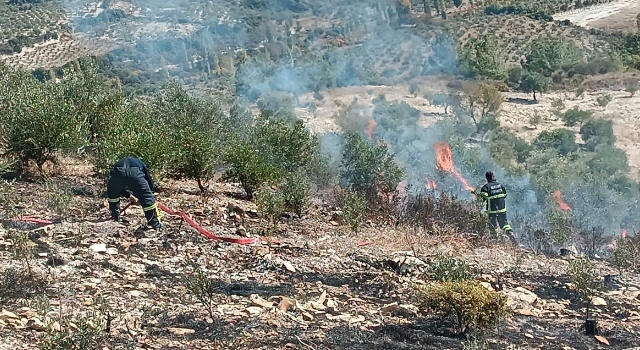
x: 471, y: 304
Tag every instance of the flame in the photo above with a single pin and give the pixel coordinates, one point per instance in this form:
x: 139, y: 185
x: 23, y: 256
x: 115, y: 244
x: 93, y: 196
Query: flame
x: 371, y: 127
x: 557, y: 196
x: 623, y: 234
x: 444, y: 162
x: 430, y: 184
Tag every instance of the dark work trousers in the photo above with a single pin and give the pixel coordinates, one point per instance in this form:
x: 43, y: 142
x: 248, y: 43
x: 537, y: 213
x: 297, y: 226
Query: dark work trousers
x: 132, y: 178
x: 500, y: 221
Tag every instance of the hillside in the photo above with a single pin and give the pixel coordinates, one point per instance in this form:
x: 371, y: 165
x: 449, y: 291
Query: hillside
x: 340, y: 142
x: 315, y: 285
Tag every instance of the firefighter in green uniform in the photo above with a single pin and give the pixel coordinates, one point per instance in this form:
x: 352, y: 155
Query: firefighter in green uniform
x: 495, y: 194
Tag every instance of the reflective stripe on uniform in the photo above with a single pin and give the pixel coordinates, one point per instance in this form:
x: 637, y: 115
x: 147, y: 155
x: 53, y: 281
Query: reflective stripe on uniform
x: 153, y: 206
x: 504, y: 210
x: 158, y: 213
x: 502, y: 195
x: 114, y: 200
x: 506, y: 228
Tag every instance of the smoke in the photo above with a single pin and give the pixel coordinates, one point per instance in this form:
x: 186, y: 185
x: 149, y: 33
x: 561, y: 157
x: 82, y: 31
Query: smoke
x: 295, y: 46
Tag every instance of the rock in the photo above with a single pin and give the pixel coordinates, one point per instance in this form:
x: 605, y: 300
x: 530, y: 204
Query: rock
x: 181, y: 331
x: 322, y: 298
x: 526, y: 312
x: 289, y: 266
x: 6, y: 315
x: 598, y: 301
x: 253, y: 310
x: 256, y: 300
x: 633, y: 294
x: 286, y: 304
x: 98, y: 248
x: 36, y: 325
x: 524, y: 295
x: 307, y: 316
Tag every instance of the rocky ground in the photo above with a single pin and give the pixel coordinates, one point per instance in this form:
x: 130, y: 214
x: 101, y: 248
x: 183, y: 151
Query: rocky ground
x: 313, y: 285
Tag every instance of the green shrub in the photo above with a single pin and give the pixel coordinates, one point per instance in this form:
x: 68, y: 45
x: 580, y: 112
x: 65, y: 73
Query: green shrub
x: 473, y: 306
x: 195, y: 131
x: 296, y: 191
x: 585, y: 280
x: 575, y: 116
x: 562, y: 140
x: 271, y: 202
x: 608, y: 160
x: 368, y: 168
x: 627, y: 253
x: 268, y: 152
x: 392, y: 115
x: 505, y: 148
x: 597, y: 131
x: 131, y: 130
x: 38, y: 121
x: 87, y: 333
x: 603, y: 101
x: 355, y: 209
x: 446, y: 269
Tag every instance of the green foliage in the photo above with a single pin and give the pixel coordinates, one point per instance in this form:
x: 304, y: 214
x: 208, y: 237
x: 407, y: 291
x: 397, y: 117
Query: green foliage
x: 597, y: 132
x: 560, y: 225
x: 483, y: 56
x: 446, y: 269
x: 22, y: 248
x: 627, y: 253
x: 390, y: 115
x: 604, y: 100
x: 561, y: 140
x: 575, y: 116
x: 584, y: 278
x: 268, y: 152
x: 368, y: 168
x: 507, y: 148
x: 608, y: 160
x: 204, y: 289
x: 57, y: 198
x: 87, y: 333
x: 355, y: 209
x: 548, y: 54
x: 296, y: 192
x: 38, y: 120
x: 130, y: 130
x: 534, y: 82
x: 473, y: 306
x: 414, y: 89
x: 632, y: 86
x: 271, y: 202
x: 194, y: 130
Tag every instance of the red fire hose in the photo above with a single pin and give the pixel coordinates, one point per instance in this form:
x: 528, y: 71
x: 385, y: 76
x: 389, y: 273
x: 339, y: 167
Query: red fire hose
x: 186, y: 218
x: 200, y: 229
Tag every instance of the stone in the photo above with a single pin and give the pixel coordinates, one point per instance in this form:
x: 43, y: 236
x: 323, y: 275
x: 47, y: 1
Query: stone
x: 181, y: 331
x: 598, y: 301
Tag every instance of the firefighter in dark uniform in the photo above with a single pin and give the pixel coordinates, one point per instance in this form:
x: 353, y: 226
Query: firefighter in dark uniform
x: 130, y: 178
x: 495, y: 194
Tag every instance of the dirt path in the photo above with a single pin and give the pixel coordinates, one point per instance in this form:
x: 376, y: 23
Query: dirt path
x: 601, y: 15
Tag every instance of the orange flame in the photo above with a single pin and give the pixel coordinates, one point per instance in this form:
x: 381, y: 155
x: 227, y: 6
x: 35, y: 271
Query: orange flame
x: 623, y: 234
x: 557, y: 196
x: 371, y: 127
x: 430, y: 184
x: 444, y: 162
